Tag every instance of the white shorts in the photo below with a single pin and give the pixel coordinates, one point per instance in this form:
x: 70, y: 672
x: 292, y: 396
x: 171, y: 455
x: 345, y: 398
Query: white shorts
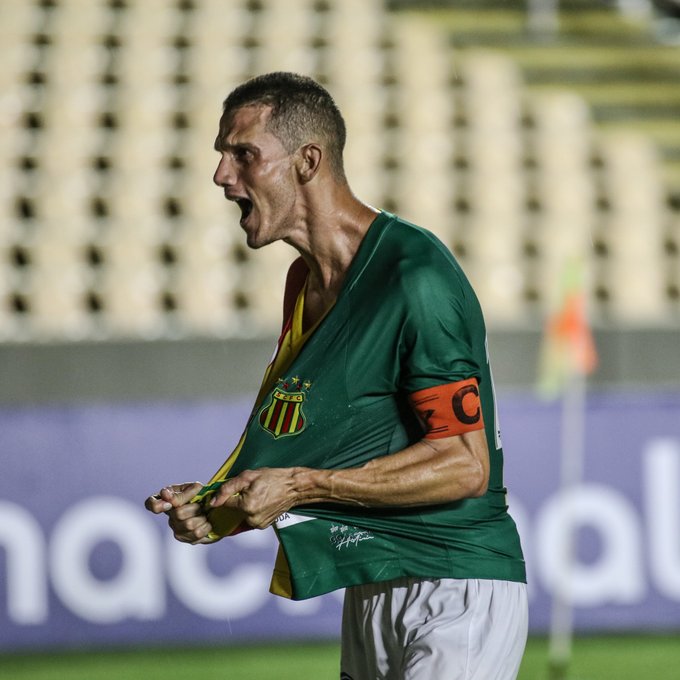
x: 434, y: 629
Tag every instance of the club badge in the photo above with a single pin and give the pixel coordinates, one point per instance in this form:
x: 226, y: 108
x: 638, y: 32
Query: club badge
x: 283, y: 415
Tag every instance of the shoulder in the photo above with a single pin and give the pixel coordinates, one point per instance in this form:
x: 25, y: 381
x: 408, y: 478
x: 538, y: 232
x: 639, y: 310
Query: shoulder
x: 420, y: 264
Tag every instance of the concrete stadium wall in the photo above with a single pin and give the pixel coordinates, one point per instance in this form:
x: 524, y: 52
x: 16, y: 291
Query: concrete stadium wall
x: 82, y: 372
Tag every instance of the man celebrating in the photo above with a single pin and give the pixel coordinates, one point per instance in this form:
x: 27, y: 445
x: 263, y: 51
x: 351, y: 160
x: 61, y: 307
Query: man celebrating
x: 373, y: 446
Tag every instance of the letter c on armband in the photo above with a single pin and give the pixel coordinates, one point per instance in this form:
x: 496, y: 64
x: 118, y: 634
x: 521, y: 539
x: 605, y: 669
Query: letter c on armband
x: 459, y: 407
x: 449, y: 410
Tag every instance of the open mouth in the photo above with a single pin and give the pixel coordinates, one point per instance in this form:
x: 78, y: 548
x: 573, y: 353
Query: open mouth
x: 246, y: 206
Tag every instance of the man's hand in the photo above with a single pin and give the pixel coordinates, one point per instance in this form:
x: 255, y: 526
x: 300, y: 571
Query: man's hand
x: 187, y: 520
x: 262, y: 495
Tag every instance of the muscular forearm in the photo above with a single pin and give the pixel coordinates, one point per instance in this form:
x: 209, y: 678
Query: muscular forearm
x: 429, y: 472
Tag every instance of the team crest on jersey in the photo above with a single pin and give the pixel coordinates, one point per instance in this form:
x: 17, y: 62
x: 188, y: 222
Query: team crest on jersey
x: 283, y: 415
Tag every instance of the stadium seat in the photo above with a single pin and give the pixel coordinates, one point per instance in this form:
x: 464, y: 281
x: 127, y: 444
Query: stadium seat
x: 633, y: 179
x: 498, y: 278
x: 109, y: 111
x: 205, y: 302
x: 19, y: 20
x: 130, y: 287
x: 285, y: 33
x: 489, y: 77
x: 215, y: 66
x: 637, y: 301
x: 56, y: 286
x: 72, y: 21
x: 421, y: 58
x: 150, y: 22
x: 354, y: 24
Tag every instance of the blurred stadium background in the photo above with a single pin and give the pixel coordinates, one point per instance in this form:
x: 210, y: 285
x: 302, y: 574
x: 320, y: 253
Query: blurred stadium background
x: 135, y: 324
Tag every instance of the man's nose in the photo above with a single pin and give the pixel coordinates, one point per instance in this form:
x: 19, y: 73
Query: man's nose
x: 224, y: 174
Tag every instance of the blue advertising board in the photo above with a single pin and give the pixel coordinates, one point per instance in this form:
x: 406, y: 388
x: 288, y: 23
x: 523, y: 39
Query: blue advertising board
x: 82, y: 562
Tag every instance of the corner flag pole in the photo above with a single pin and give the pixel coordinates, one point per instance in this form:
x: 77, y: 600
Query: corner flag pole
x: 568, y: 356
x: 572, y: 448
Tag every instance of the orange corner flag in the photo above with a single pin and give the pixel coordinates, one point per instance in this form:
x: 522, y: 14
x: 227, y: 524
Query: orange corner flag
x: 568, y: 346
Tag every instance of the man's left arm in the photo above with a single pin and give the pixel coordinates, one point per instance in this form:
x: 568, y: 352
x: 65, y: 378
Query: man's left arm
x: 429, y: 472
x: 449, y: 463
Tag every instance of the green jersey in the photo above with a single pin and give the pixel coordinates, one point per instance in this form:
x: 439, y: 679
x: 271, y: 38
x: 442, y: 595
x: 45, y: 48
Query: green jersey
x: 406, y: 319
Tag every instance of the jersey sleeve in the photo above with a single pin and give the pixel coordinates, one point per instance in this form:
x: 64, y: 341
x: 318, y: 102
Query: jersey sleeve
x: 436, y: 335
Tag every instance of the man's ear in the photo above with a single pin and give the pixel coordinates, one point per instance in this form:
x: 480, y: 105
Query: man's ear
x: 308, y: 162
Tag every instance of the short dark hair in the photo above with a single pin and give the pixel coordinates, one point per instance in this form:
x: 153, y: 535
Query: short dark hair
x: 301, y: 110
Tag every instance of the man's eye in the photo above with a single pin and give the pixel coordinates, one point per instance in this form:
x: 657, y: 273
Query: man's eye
x: 243, y: 155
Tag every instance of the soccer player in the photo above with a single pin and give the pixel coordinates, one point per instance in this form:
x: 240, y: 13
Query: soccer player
x: 373, y: 447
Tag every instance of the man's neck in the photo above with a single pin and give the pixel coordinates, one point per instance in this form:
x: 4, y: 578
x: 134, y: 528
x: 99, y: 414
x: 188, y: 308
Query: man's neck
x: 328, y: 241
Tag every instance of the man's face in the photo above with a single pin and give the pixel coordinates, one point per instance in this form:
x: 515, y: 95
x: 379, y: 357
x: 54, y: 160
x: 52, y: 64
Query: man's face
x: 256, y: 172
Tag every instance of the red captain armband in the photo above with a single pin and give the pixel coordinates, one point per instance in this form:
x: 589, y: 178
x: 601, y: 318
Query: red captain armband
x: 448, y: 410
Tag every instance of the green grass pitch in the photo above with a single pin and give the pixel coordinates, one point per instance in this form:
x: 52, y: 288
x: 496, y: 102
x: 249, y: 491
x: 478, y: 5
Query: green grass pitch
x: 595, y: 658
